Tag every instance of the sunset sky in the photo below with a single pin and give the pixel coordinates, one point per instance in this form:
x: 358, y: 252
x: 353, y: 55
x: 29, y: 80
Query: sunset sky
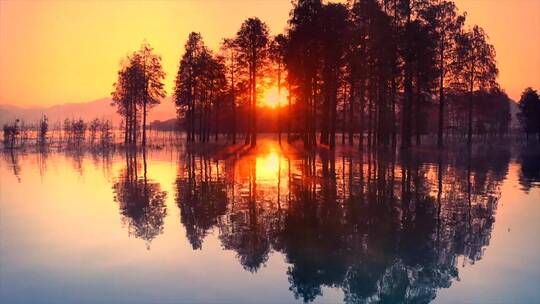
x: 56, y: 52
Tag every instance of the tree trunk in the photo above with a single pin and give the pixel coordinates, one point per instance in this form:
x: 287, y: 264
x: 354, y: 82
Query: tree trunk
x: 361, y: 124
x: 406, y: 115
x: 254, y: 105
x: 440, y: 143
x: 144, y: 125
x: 279, y: 103
x: 351, y: 112
x: 471, y: 89
x: 289, y: 113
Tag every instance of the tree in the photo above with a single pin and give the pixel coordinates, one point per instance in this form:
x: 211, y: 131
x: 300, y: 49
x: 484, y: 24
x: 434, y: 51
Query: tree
x: 477, y: 66
x: 303, y: 61
x: 139, y: 84
x: 252, y: 40
x: 443, y: 20
x: 11, y: 132
x: 334, y: 43
x: 529, y: 112
x: 126, y: 95
x: 93, y: 128
x: 277, y: 55
x: 232, y: 69
x: 43, y: 129
x: 199, y: 87
x: 152, y: 86
x: 185, y: 90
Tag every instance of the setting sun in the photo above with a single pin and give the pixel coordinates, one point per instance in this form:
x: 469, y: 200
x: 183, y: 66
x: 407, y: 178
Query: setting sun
x: 272, y: 98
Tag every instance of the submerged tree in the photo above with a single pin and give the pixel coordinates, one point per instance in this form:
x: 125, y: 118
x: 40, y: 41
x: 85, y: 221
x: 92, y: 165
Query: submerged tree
x: 139, y: 85
x: 444, y: 21
x: 233, y: 69
x: 199, y: 88
x: 43, y: 129
x: 277, y: 55
x: 152, y: 87
x: 478, y: 70
x: 529, y: 112
x: 334, y: 43
x: 303, y: 62
x: 252, y: 41
x: 11, y: 133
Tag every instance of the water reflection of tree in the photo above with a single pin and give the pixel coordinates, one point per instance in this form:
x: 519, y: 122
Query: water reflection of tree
x: 247, y: 226
x: 201, y: 197
x: 141, y: 201
x: 13, y: 160
x: 529, y: 174
x: 379, y: 227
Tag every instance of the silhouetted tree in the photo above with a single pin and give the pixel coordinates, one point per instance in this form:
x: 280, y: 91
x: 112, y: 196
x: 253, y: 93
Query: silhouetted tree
x: 334, y: 43
x: 277, y: 53
x: 303, y: 61
x: 233, y: 69
x: 529, y: 112
x: 478, y: 70
x: 126, y: 96
x: 139, y: 84
x: 152, y: 86
x: 252, y: 41
x: 444, y: 21
x: 200, y: 85
x: 43, y: 129
x: 11, y: 132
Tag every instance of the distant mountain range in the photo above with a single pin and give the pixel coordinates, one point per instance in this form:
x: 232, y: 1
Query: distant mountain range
x: 100, y: 108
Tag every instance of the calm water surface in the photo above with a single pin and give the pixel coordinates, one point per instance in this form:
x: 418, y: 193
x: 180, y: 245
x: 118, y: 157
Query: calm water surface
x: 270, y: 225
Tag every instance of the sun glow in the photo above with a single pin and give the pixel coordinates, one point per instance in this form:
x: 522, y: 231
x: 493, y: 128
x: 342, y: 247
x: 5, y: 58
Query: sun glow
x: 268, y: 167
x: 273, y: 98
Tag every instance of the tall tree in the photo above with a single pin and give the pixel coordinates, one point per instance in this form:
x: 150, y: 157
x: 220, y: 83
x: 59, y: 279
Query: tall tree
x: 477, y: 66
x: 252, y: 40
x: 529, y: 112
x: 139, y: 84
x: 152, y: 86
x: 277, y: 55
x: 303, y: 61
x: 185, y: 84
x: 334, y: 43
x: 444, y: 21
x: 126, y: 97
x: 233, y: 68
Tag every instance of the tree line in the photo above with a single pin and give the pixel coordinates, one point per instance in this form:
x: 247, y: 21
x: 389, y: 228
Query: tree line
x: 384, y: 72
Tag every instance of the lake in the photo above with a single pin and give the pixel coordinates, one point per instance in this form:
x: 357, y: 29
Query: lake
x: 273, y: 224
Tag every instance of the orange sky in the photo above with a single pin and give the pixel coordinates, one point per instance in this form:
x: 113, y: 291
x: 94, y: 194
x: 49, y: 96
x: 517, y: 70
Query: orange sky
x: 54, y: 52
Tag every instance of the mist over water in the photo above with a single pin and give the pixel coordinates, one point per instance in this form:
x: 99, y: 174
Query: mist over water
x: 270, y: 225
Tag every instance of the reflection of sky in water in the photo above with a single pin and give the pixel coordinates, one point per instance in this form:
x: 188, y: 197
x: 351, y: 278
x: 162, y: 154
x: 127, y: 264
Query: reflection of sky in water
x: 266, y: 226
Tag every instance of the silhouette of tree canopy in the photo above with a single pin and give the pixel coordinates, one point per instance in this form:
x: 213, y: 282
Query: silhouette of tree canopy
x: 277, y: 54
x: 445, y: 23
x: 252, y: 40
x: 200, y: 87
x: 477, y: 63
x: 139, y: 85
x: 529, y: 112
x: 380, y: 72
